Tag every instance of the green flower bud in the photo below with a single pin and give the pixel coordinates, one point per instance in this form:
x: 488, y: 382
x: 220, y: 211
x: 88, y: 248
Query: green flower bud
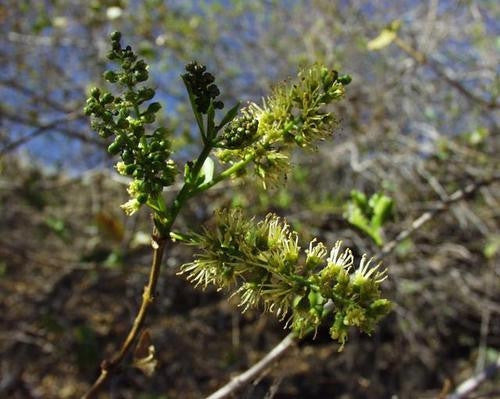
x: 142, y: 198
x: 201, y: 86
x: 218, y: 105
x: 141, y: 76
x: 122, y: 123
x: 240, y: 132
x: 95, y: 92
x: 148, y: 118
x: 130, y: 96
x: 129, y: 169
x: 112, y: 55
x: 110, y: 76
x: 156, y: 146
x: 128, y: 156
x: 344, y: 79
x: 116, y: 36
x: 138, y: 130
x: 88, y: 110
x: 114, y: 148
x: 146, y: 93
x: 153, y: 107
x: 107, y: 98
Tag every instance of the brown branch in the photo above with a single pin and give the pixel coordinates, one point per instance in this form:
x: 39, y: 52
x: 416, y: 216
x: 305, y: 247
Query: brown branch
x: 458, y: 195
x: 423, y: 59
x: 55, y: 126
x: 109, y: 366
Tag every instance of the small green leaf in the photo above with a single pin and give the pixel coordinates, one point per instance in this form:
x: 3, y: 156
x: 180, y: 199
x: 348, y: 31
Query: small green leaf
x: 231, y: 114
x: 361, y: 201
x: 210, y: 121
x: 385, y: 38
x: 207, y: 171
x: 492, y: 247
x: 197, y: 115
x: 382, y: 209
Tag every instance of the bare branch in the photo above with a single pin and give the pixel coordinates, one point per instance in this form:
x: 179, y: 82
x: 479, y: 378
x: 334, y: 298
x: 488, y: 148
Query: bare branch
x: 442, y: 206
x: 471, y: 384
x: 248, y: 376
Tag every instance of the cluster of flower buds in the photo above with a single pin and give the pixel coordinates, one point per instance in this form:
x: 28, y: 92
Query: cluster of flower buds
x: 240, y: 132
x: 134, y: 70
x: 145, y: 157
x: 294, y: 115
x: 202, y: 87
x: 263, y: 263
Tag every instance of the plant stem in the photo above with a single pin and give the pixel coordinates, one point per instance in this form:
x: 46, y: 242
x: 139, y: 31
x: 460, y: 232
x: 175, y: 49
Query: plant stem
x: 226, y: 173
x: 108, y: 366
x: 159, y: 240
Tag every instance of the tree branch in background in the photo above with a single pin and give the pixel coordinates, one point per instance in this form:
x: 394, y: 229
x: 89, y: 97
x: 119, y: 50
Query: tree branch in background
x: 473, y: 383
x: 253, y: 372
x: 442, y: 206
x: 423, y: 59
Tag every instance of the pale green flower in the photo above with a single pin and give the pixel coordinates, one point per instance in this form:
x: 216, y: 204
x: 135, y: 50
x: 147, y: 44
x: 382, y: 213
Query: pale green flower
x: 263, y: 264
x: 293, y: 115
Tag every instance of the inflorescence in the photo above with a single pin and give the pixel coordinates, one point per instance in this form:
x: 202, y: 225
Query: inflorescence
x: 293, y: 115
x: 145, y: 155
x: 262, y: 263
x: 202, y: 86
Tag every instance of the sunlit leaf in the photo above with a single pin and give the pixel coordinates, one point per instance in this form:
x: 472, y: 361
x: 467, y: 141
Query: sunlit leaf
x: 385, y: 38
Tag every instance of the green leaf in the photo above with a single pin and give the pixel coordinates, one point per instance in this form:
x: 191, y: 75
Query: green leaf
x: 197, y: 115
x: 361, y: 201
x: 382, y: 209
x: 369, y: 215
x: 231, y: 114
x: 385, y: 38
x: 207, y: 171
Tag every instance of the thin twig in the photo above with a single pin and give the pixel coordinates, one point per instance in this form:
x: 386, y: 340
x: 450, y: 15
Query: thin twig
x: 471, y: 384
x: 108, y: 366
x: 423, y: 59
x: 248, y: 376
x: 443, y: 206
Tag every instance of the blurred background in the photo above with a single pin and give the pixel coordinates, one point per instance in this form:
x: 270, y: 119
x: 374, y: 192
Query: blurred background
x: 419, y: 125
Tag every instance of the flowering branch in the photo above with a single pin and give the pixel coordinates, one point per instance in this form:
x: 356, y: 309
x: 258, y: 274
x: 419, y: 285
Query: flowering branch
x: 263, y: 264
x: 279, y: 350
x: 262, y: 136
